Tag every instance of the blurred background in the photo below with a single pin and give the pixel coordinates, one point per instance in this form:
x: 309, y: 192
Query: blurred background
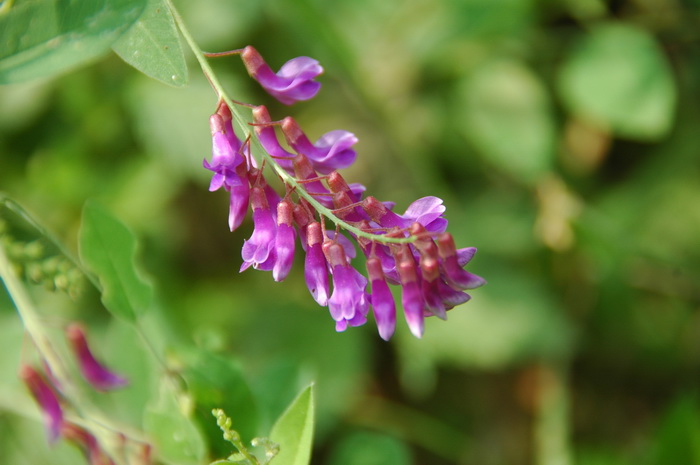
x: 563, y: 137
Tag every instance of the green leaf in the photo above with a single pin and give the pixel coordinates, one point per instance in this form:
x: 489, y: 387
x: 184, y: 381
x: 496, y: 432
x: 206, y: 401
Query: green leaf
x: 509, y: 119
x: 152, y: 46
x: 44, y: 37
x: 108, y: 248
x: 294, y: 430
x: 176, y: 435
x: 618, y: 77
x: 217, y: 382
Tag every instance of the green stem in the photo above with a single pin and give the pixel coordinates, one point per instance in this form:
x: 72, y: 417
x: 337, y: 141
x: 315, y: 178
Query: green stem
x: 245, y: 127
x: 29, y: 318
x: 5, y: 6
x: 551, y: 436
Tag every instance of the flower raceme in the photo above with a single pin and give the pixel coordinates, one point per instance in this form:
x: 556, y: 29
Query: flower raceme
x: 411, y: 250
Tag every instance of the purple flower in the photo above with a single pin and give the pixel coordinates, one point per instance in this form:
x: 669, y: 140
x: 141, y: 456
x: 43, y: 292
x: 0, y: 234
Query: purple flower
x: 238, y: 205
x: 330, y: 152
x: 284, y: 241
x: 225, y: 158
x: 430, y: 285
x: 292, y: 83
x: 348, y: 303
x: 315, y: 265
x: 304, y: 171
x: 47, y: 399
x: 452, y: 297
x: 411, y: 292
x: 229, y: 166
x: 381, y: 215
x: 455, y: 276
x: 268, y: 139
x: 259, y: 250
x: 345, y: 198
x: 428, y: 212
x: 381, y: 299
x: 93, y: 371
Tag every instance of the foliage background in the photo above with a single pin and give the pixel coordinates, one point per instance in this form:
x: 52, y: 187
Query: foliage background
x: 563, y: 138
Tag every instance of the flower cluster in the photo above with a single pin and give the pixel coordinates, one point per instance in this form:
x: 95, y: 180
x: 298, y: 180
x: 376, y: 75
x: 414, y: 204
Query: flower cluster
x: 48, y: 393
x: 412, y: 250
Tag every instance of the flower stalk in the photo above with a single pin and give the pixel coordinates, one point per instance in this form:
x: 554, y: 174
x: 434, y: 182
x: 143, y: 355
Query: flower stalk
x: 401, y: 248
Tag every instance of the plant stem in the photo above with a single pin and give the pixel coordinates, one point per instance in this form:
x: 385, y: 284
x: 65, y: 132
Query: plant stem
x: 29, y: 318
x: 551, y: 434
x: 245, y: 128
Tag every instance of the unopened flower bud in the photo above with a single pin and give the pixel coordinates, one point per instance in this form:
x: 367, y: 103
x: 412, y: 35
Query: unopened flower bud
x: 47, y: 399
x: 94, y: 372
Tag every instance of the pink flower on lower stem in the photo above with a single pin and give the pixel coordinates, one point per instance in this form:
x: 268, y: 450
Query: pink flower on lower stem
x: 94, y: 372
x: 47, y: 399
x: 87, y: 443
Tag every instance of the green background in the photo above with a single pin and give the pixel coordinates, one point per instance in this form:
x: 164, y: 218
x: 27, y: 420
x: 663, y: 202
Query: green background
x: 563, y: 137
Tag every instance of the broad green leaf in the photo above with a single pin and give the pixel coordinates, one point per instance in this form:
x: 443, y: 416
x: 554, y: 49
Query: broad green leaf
x: 41, y: 38
x: 294, y: 430
x: 152, y: 46
x: 108, y: 248
x: 618, y: 77
x: 508, y: 118
x: 167, y: 421
x: 217, y: 382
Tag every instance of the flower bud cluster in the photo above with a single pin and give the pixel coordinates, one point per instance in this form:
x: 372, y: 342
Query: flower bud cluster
x: 412, y: 250
x: 39, y: 264
x: 47, y: 391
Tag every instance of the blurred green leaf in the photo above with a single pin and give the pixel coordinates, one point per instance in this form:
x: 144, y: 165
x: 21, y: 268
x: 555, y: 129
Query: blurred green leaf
x: 152, y: 45
x: 108, y: 249
x: 492, y: 19
x: 508, y: 117
x: 513, y: 318
x: 44, y: 37
x: 172, y: 123
x: 217, y: 382
x: 678, y: 439
x: 275, y: 386
x: 294, y: 430
x: 599, y: 455
x: 129, y: 356
x: 370, y: 449
x: 618, y: 77
x: 176, y: 435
